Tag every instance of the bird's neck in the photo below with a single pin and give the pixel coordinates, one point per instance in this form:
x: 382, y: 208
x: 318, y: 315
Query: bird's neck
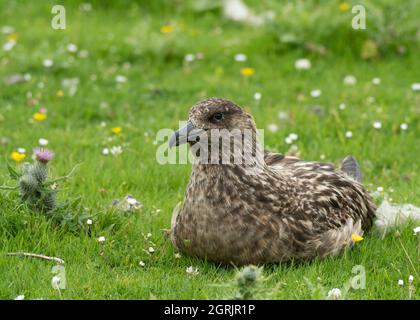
x: 234, y: 150
x: 222, y: 177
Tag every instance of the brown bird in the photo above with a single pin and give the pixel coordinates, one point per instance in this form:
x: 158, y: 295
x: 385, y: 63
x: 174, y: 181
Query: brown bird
x: 267, y: 207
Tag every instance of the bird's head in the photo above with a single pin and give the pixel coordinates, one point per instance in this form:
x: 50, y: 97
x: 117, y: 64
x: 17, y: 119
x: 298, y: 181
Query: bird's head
x: 209, y: 115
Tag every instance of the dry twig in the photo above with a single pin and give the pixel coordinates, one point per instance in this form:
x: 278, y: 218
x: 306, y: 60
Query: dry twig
x: 36, y: 255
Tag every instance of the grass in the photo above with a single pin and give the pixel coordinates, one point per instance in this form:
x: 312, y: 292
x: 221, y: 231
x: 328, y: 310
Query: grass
x: 125, y: 39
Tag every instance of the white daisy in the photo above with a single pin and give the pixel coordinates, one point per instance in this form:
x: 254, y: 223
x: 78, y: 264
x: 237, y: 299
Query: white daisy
x: 9, y: 45
x: 293, y: 136
x: 116, y: 150
x: 404, y: 126
x: 43, y: 142
x: 83, y: 54
x: 101, y: 239
x: 342, y: 106
x: 302, y: 64
x: 349, y: 134
x: 151, y: 249
x: 191, y: 270
x: 47, y: 63
x: 350, y: 80
x: 316, y: 93
x: 283, y: 115
x: 257, y: 96
x: 370, y: 99
x: 400, y: 282
x: 86, y: 6
x: 272, y: 127
x: 71, y: 47
x: 120, y: 79
x: 189, y: 57
x: 376, y: 81
x: 240, y: 57
x: 7, y: 30
x: 377, y: 125
x: 334, y: 294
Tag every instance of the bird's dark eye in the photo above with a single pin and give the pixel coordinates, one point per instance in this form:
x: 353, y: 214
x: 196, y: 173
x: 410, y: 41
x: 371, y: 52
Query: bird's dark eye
x: 218, y: 116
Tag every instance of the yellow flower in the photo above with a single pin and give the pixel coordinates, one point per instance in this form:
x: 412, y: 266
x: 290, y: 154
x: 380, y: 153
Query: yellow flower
x: 167, y: 28
x: 17, y: 156
x: 60, y: 93
x: 356, y: 237
x: 12, y: 37
x: 344, y: 6
x: 40, y: 116
x: 116, y: 130
x: 247, y: 72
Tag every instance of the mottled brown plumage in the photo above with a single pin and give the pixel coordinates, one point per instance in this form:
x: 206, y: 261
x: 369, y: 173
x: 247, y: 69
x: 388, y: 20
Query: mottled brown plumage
x: 290, y: 209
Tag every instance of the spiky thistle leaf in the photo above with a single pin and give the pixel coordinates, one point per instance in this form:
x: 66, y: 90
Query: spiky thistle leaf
x: 12, y: 172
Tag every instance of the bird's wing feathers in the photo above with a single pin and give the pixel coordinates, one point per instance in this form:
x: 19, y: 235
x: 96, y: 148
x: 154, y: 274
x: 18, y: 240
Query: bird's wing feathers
x: 349, y: 165
x: 271, y: 158
x: 274, y: 159
x: 294, y: 163
x: 336, y: 193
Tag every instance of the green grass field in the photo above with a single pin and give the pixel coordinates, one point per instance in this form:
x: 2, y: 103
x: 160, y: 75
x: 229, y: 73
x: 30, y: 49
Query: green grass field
x: 129, y: 39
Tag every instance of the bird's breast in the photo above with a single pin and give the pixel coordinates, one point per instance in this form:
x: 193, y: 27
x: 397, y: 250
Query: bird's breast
x: 221, y: 221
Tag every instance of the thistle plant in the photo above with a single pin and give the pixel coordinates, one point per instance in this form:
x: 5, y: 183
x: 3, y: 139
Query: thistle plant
x: 33, y: 182
x: 247, y: 280
x: 39, y: 192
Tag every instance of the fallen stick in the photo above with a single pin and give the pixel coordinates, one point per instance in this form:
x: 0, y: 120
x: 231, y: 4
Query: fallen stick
x: 35, y: 255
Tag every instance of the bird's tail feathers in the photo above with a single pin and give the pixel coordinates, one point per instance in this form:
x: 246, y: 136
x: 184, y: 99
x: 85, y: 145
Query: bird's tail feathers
x: 332, y: 242
x: 351, y: 167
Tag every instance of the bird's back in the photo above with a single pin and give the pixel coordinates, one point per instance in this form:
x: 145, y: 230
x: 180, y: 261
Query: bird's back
x: 327, y: 195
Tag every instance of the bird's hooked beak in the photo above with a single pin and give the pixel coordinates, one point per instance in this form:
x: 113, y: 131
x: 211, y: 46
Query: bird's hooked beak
x: 187, y: 133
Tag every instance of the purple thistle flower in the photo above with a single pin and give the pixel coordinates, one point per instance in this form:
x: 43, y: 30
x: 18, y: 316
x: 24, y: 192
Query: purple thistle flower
x: 43, y: 155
